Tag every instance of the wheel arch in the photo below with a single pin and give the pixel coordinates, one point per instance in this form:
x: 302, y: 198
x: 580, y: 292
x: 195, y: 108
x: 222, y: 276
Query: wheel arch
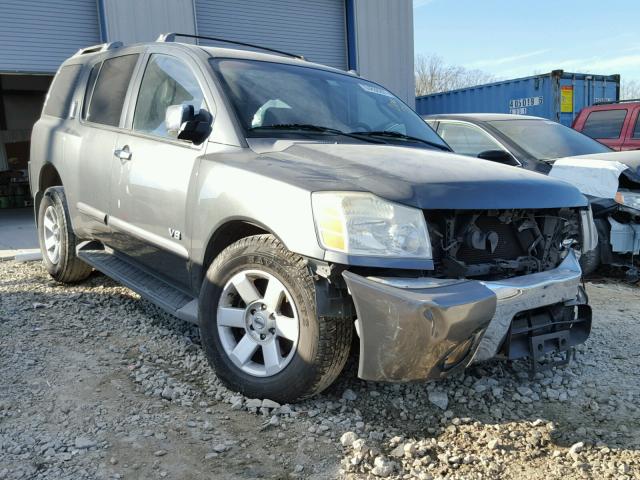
x: 49, y: 177
x: 227, y: 234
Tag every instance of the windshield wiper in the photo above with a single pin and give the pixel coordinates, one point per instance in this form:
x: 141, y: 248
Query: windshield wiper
x: 392, y: 134
x: 313, y: 128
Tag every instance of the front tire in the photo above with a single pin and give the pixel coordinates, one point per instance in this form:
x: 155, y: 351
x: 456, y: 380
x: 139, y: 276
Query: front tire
x: 259, y: 324
x: 590, y: 261
x: 57, y: 240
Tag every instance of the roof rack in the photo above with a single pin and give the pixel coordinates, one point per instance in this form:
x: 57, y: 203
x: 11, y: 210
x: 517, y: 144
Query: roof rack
x: 103, y: 47
x: 171, y: 37
x: 618, y: 101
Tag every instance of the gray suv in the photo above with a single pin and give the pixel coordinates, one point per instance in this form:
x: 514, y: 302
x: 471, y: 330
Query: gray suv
x: 288, y: 208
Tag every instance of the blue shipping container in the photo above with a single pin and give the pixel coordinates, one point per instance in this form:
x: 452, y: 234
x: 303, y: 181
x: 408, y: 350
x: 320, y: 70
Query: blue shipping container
x: 557, y: 95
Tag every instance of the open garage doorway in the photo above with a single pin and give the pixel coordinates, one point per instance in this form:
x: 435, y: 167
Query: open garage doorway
x: 21, y: 100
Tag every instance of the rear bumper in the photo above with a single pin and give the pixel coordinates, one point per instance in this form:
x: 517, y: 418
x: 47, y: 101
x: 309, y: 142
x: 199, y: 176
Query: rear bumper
x: 413, y: 329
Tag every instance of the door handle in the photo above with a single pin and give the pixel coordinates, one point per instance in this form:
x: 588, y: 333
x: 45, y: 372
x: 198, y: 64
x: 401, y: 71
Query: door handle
x: 123, y: 153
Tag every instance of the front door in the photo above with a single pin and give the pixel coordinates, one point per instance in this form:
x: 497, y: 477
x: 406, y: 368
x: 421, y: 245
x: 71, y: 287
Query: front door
x: 606, y: 125
x: 153, y: 172
x: 632, y: 138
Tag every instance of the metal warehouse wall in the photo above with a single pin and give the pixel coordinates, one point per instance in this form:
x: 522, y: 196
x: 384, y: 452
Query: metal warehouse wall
x: 37, y: 36
x: 384, y: 37
x: 315, y: 29
x: 143, y: 20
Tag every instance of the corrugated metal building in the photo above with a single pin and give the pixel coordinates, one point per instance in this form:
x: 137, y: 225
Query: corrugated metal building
x: 374, y: 37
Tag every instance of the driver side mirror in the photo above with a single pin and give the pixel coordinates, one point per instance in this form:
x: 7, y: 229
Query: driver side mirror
x: 181, y: 121
x: 499, y: 156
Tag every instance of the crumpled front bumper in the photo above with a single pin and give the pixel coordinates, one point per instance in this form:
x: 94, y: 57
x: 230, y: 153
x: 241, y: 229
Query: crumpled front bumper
x: 425, y: 328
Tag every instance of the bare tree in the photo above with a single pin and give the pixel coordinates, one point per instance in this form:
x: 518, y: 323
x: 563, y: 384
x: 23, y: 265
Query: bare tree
x: 434, y: 75
x: 629, y: 89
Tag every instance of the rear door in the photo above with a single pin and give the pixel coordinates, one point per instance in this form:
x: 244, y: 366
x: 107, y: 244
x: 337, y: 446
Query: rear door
x: 632, y: 137
x: 606, y: 124
x: 101, y: 121
x: 154, y: 173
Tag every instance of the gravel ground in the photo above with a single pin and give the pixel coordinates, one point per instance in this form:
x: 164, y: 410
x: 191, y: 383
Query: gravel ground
x: 97, y: 383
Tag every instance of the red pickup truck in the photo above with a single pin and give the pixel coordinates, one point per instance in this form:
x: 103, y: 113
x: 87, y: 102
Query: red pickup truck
x: 615, y: 124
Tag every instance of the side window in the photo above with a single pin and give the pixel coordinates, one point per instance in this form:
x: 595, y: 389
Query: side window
x: 605, y: 123
x: 167, y: 81
x: 107, y: 98
x: 636, y: 130
x: 61, y: 91
x: 89, y: 91
x: 466, y: 139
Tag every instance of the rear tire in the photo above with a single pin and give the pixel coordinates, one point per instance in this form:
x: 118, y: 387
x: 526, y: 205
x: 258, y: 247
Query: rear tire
x: 57, y: 240
x: 233, y: 322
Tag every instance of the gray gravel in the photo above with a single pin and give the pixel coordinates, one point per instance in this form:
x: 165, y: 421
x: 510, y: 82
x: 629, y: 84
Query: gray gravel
x: 97, y: 383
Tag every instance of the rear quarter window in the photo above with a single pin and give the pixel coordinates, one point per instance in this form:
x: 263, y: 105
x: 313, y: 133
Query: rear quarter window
x: 61, y: 91
x: 605, y: 123
x: 107, y: 96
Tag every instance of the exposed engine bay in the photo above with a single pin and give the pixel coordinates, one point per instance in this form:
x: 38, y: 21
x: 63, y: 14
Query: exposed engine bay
x: 499, y: 244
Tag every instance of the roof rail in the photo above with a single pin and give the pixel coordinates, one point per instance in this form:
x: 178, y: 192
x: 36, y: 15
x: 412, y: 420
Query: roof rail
x: 171, y: 37
x: 618, y: 101
x: 103, y: 47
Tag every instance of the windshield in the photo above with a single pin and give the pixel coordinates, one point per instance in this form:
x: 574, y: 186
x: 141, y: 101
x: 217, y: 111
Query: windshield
x: 280, y: 100
x: 547, y: 140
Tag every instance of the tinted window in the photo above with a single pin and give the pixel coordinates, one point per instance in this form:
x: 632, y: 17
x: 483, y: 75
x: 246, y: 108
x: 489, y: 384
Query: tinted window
x: 90, y: 84
x: 167, y: 81
x: 636, y: 130
x: 110, y: 89
x: 545, y: 140
x: 466, y: 139
x: 59, y: 98
x: 604, y: 123
x: 272, y: 98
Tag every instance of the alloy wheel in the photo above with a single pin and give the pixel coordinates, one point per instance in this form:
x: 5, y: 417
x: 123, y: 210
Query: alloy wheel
x: 51, y: 233
x: 258, y: 323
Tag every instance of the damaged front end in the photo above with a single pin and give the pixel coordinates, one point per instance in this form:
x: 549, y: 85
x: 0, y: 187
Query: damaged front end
x: 505, y: 284
x: 501, y: 243
x: 618, y: 221
x: 611, y: 181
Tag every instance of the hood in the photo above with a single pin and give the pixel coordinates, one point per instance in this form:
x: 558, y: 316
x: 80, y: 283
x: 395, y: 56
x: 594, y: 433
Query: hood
x: 422, y: 178
x: 629, y: 158
x: 598, y: 175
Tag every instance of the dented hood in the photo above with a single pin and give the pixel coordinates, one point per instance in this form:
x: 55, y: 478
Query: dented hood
x: 598, y: 174
x: 630, y: 158
x: 422, y: 178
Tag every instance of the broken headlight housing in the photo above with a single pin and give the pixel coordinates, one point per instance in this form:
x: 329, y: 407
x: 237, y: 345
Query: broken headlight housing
x: 629, y: 199
x: 358, y: 223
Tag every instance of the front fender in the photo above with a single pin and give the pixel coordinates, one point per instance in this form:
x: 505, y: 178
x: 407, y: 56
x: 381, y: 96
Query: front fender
x: 226, y: 193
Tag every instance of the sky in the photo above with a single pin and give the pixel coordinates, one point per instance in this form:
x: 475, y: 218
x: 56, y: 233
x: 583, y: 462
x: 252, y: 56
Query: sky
x: 517, y: 38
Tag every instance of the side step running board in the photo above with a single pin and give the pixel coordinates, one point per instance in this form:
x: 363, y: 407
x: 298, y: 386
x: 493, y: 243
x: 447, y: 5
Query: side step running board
x: 148, y: 286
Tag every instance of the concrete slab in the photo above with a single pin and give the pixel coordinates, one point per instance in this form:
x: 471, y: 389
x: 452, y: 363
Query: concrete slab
x: 28, y: 256
x: 17, y: 233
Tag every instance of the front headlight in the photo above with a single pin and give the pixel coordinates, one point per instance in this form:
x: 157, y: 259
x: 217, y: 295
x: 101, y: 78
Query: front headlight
x: 363, y: 224
x: 630, y: 199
